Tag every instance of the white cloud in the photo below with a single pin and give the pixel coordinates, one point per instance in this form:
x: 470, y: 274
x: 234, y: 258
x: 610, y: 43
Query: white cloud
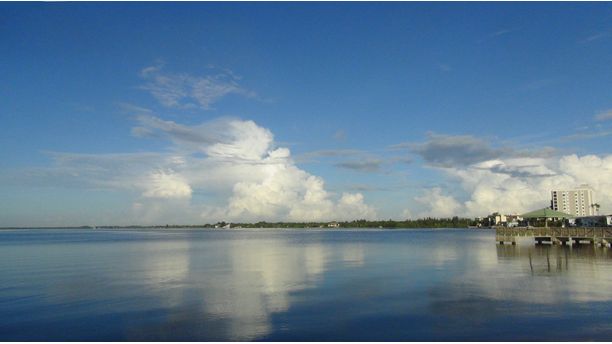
x: 517, y: 185
x: 292, y: 194
x: 167, y: 185
x: 407, y: 214
x: 351, y: 206
x: 275, y: 187
x: 503, y: 179
x: 187, y: 91
x: 437, y: 204
x: 246, y: 140
x: 494, y: 191
x: 284, y: 190
x: 233, y: 164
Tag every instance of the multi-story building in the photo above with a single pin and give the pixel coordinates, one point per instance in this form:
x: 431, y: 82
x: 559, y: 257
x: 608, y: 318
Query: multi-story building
x: 577, y: 202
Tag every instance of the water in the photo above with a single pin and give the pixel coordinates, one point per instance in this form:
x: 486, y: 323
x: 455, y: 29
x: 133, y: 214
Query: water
x: 291, y: 285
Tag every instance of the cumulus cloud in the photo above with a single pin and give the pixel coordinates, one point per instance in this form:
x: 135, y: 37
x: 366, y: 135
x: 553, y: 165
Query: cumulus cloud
x: 248, y: 141
x: 167, y: 185
x: 517, y: 185
x: 487, y: 179
x: 233, y: 164
x: 437, y: 204
x: 351, y: 206
x: 292, y: 194
x: 187, y: 91
x: 277, y: 188
x: 527, y: 192
x: 285, y: 191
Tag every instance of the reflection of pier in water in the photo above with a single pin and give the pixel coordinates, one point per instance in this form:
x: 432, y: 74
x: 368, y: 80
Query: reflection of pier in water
x: 548, y: 258
x: 556, y: 235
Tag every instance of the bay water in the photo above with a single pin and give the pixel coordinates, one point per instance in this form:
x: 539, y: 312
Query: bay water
x: 298, y: 285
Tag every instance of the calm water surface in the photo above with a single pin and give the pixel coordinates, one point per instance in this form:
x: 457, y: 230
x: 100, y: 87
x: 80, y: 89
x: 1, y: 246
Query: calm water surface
x: 291, y: 285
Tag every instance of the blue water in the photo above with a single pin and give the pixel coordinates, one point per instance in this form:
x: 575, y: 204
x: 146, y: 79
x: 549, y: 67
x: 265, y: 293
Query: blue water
x: 292, y: 285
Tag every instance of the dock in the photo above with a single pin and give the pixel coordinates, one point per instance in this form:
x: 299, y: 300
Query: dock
x: 556, y: 235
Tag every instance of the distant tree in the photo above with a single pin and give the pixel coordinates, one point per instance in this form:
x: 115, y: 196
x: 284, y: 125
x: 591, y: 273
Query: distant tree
x: 455, y: 221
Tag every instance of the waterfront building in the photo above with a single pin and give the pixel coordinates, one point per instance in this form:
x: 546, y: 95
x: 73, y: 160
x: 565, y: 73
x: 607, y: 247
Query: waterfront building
x: 498, y: 219
x: 594, y: 221
x: 577, y: 202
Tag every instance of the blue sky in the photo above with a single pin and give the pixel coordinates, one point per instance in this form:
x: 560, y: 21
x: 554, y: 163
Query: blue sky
x: 192, y: 113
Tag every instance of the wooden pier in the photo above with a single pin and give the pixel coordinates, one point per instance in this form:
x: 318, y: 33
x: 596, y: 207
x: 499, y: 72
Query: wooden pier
x: 556, y: 235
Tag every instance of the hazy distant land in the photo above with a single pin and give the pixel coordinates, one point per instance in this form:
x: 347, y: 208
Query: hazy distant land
x: 454, y: 222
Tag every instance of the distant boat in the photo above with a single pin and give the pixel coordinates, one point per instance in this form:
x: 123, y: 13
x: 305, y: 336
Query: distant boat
x: 227, y: 226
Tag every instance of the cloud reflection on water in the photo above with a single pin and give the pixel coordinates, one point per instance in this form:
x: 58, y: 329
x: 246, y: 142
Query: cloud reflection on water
x: 248, y: 281
x: 296, y: 285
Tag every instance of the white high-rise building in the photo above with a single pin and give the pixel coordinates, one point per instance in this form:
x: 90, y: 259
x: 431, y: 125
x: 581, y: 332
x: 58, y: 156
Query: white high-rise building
x: 577, y: 202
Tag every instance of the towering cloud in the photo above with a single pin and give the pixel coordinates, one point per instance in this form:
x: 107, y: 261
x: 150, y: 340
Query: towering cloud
x: 503, y: 179
x: 225, y: 169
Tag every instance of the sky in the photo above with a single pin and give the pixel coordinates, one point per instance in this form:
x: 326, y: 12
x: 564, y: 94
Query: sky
x: 192, y: 113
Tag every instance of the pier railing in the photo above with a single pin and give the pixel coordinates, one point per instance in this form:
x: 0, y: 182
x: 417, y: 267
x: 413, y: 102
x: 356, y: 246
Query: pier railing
x: 555, y: 235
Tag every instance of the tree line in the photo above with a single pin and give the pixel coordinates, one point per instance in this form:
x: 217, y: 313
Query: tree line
x: 428, y: 222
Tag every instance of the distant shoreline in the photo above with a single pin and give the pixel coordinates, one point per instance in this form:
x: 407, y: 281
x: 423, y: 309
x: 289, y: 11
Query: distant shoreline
x: 454, y: 222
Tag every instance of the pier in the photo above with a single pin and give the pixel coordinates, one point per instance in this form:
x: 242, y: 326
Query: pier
x: 556, y: 235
